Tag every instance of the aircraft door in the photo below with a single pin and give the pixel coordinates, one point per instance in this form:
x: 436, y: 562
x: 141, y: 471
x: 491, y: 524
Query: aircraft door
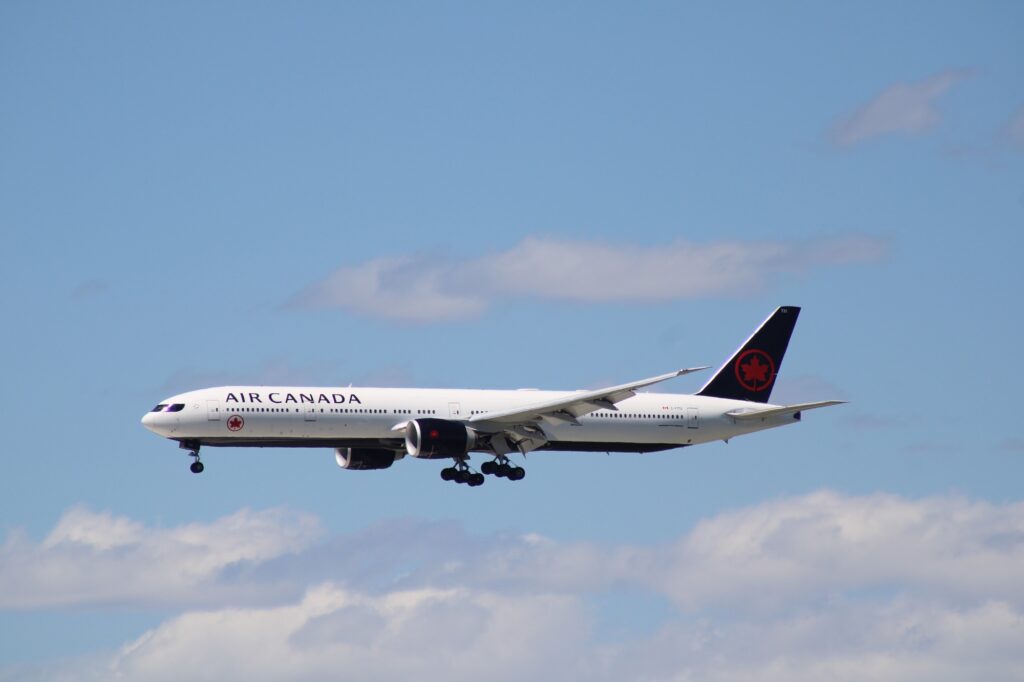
x: 454, y: 410
x: 692, y: 417
x: 309, y: 413
x: 213, y: 410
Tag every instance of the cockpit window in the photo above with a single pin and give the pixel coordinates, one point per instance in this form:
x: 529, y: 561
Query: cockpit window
x: 165, y: 407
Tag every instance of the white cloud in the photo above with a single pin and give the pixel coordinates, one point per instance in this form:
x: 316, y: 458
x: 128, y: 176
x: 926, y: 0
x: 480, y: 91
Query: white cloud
x: 403, y: 288
x: 424, y: 289
x: 97, y: 558
x: 821, y: 586
x: 899, y: 640
x: 825, y: 543
x: 902, y: 108
x: 795, y: 550
x: 332, y: 633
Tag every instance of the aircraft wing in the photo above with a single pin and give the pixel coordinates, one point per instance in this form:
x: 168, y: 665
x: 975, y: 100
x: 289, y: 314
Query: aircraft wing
x: 747, y: 414
x: 568, y: 408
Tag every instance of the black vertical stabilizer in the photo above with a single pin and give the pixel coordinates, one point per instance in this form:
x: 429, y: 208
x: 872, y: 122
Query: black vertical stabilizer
x: 750, y: 373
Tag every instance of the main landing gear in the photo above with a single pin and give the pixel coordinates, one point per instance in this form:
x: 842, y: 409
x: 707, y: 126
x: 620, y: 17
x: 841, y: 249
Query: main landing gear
x: 193, y: 451
x: 502, y: 468
x: 499, y: 466
x: 460, y: 473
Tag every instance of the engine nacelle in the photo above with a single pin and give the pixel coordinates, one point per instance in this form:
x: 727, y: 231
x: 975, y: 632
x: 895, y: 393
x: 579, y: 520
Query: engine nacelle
x: 365, y: 458
x: 438, y: 438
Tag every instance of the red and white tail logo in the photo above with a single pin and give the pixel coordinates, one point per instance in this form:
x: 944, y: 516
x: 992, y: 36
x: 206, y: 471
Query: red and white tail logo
x: 755, y: 370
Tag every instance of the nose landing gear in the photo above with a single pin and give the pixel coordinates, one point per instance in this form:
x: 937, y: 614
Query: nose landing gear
x: 193, y: 451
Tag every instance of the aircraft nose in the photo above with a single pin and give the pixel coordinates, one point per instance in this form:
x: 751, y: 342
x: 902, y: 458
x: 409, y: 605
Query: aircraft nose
x: 149, y: 421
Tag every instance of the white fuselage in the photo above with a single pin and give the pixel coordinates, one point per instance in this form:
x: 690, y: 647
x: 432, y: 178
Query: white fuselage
x: 372, y: 428
x: 351, y: 417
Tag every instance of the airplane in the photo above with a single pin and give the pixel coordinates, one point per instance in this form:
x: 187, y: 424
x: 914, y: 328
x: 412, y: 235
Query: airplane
x: 372, y: 428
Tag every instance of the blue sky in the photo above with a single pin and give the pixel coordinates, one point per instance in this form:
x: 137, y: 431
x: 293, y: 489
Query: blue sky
x: 453, y: 194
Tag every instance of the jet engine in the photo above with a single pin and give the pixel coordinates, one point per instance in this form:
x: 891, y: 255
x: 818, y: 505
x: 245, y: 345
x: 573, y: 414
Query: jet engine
x: 365, y: 458
x: 438, y: 438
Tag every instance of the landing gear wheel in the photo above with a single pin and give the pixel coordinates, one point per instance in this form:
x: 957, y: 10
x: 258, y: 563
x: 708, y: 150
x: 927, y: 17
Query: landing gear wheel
x: 501, y: 467
x: 461, y: 473
x: 193, y: 451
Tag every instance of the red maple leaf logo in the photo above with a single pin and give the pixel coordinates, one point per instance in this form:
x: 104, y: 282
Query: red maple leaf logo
x: 235, y: 423
x: 755, y: 370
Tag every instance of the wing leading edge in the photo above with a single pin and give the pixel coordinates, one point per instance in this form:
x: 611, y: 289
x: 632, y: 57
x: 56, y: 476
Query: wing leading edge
x: 569, y: 408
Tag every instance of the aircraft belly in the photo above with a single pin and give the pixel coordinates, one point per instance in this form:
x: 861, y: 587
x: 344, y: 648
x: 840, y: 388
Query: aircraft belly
x: 615, y: 433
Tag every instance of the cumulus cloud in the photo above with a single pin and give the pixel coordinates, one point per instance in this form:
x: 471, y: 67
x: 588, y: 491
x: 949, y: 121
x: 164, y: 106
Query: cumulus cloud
x: 470, y: 634
x: 820, y: 586
x: 333, y: 633
x: 825, y: 543
x: 907, y: 108
x: 425, y: 289
x: 98, y: 558
x: 802, y: 549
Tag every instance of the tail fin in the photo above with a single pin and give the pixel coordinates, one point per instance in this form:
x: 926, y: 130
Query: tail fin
x: 750, y: 373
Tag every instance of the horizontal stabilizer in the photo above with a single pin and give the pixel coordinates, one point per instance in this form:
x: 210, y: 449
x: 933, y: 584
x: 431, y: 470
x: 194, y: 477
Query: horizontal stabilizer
x: 745, y: 413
